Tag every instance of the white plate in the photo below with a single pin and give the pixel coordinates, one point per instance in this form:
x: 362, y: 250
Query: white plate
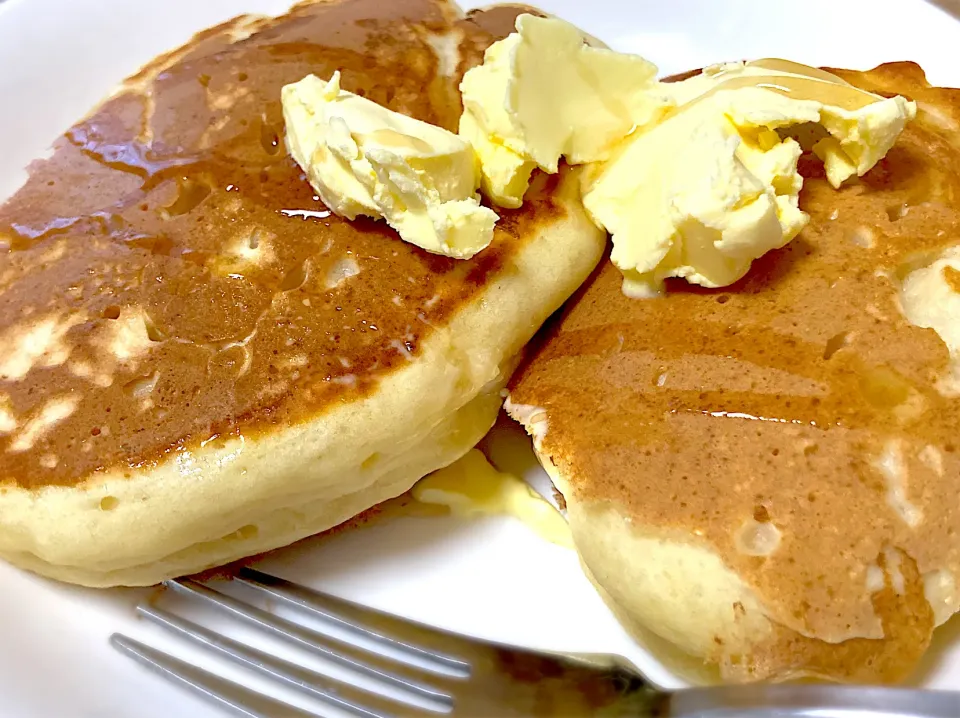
x: 491, y: 578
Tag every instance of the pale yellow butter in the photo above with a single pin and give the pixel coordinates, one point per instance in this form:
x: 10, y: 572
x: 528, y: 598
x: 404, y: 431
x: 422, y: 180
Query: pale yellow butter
x: 362, y: 158
x: 862, y: 126
x: 471, y: 487
x: 541, y: 94
x: 712, y: 186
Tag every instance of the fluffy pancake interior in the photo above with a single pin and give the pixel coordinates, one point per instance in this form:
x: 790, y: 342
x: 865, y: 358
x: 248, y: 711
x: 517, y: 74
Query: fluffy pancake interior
x: 315, y: 485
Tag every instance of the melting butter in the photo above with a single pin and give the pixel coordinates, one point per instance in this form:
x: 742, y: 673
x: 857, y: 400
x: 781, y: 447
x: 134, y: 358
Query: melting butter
x: 692, y: 179
x: 471, y: 487
x: 713, y: 185
x: 362, y: 158
x: 542, y: 93
x: 784, y: 77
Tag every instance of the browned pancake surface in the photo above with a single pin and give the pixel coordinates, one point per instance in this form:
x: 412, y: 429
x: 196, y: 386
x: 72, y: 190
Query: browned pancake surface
x: 770, y: 401
x: 155, y: 289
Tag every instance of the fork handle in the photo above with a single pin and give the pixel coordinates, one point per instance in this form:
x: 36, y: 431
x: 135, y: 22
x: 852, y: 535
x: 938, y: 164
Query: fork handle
x: 807, y: 701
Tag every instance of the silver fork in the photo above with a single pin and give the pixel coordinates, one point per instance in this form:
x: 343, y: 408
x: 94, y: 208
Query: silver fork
x: 408, y: 669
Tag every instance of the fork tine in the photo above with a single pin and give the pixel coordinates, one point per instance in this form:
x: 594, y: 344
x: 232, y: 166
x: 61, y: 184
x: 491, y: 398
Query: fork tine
x: 227, y: 694
x: 371, y: 664
x: 338, y: 692
x: 346, y: 615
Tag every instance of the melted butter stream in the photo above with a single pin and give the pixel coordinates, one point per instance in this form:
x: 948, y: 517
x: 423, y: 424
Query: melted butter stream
x: 471, y: 487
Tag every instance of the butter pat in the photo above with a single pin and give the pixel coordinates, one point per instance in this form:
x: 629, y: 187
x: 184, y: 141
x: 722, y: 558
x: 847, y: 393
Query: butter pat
x: 861, y: 126
x: 363, y: 159
x: 542, y: 93
x: 714, y: 184
x: 471, y: 487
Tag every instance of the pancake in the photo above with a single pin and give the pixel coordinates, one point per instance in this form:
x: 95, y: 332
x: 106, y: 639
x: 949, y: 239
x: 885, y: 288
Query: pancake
x: 199, y: 362
x: 761, y: 480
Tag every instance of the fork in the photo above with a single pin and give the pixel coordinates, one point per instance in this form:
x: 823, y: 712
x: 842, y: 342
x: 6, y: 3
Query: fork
x: 407, y: 669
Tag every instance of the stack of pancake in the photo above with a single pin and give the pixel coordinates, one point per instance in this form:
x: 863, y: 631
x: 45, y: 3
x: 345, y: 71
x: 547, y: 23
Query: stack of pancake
x: 762, y: 479
x: 199, y: 362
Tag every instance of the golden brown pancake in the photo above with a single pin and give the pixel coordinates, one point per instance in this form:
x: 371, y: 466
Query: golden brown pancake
x: 764, y: 477
x: 197, y: 361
